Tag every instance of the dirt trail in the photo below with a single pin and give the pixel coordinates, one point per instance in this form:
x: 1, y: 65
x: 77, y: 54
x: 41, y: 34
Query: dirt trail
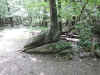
x: 13, y: 62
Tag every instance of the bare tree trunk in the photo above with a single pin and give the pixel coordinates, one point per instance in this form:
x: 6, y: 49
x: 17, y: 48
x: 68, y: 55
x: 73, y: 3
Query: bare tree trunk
x: 59, y: 15
x: 45, y: 16
x: 54, y: 27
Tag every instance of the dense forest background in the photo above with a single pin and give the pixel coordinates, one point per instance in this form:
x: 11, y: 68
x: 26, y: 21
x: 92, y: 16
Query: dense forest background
x: 62, y: 22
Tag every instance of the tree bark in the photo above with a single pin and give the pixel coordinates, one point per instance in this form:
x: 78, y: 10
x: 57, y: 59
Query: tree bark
x: 59, y: 15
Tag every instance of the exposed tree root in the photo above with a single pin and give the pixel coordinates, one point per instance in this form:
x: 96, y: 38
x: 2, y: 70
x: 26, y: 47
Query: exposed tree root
x: 40, y: 40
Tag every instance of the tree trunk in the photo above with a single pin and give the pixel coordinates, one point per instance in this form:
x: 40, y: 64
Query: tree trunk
x: 54, y: 27
x: 59, y: 15
x: 45, y: 16
x: 53, y: 32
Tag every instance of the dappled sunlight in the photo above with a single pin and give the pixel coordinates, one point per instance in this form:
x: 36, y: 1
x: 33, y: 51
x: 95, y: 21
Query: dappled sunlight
x: 3, y: 71
x: 42, y: 73
x: 21, y: 33
x: 14, y: 39
x: 49, y: 37
x: 35, y: 60
x: 4, y: 60
x: 18, y: 8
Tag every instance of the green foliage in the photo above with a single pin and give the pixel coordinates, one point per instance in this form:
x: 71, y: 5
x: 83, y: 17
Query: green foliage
x: 85, y: 28
x: 4, y: 8
x: 60, y: 46
x: 34, y: 7
x: 85, y: 34
x: 37, y: 4
x: 70, y: 10
x: 63, y: 49
x: 38, y: 9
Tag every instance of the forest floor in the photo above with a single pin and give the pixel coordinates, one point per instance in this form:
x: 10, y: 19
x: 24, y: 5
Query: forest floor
x: 13, y: 62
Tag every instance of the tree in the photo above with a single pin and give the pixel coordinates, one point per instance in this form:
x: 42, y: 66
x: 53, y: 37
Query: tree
x: 5, y: 10
x: 59, y: 14
x: 45, y: 16
x: 53, y: 32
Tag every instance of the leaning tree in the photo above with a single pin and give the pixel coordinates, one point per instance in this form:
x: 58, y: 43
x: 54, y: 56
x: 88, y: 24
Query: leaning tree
x: 52, y: 35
